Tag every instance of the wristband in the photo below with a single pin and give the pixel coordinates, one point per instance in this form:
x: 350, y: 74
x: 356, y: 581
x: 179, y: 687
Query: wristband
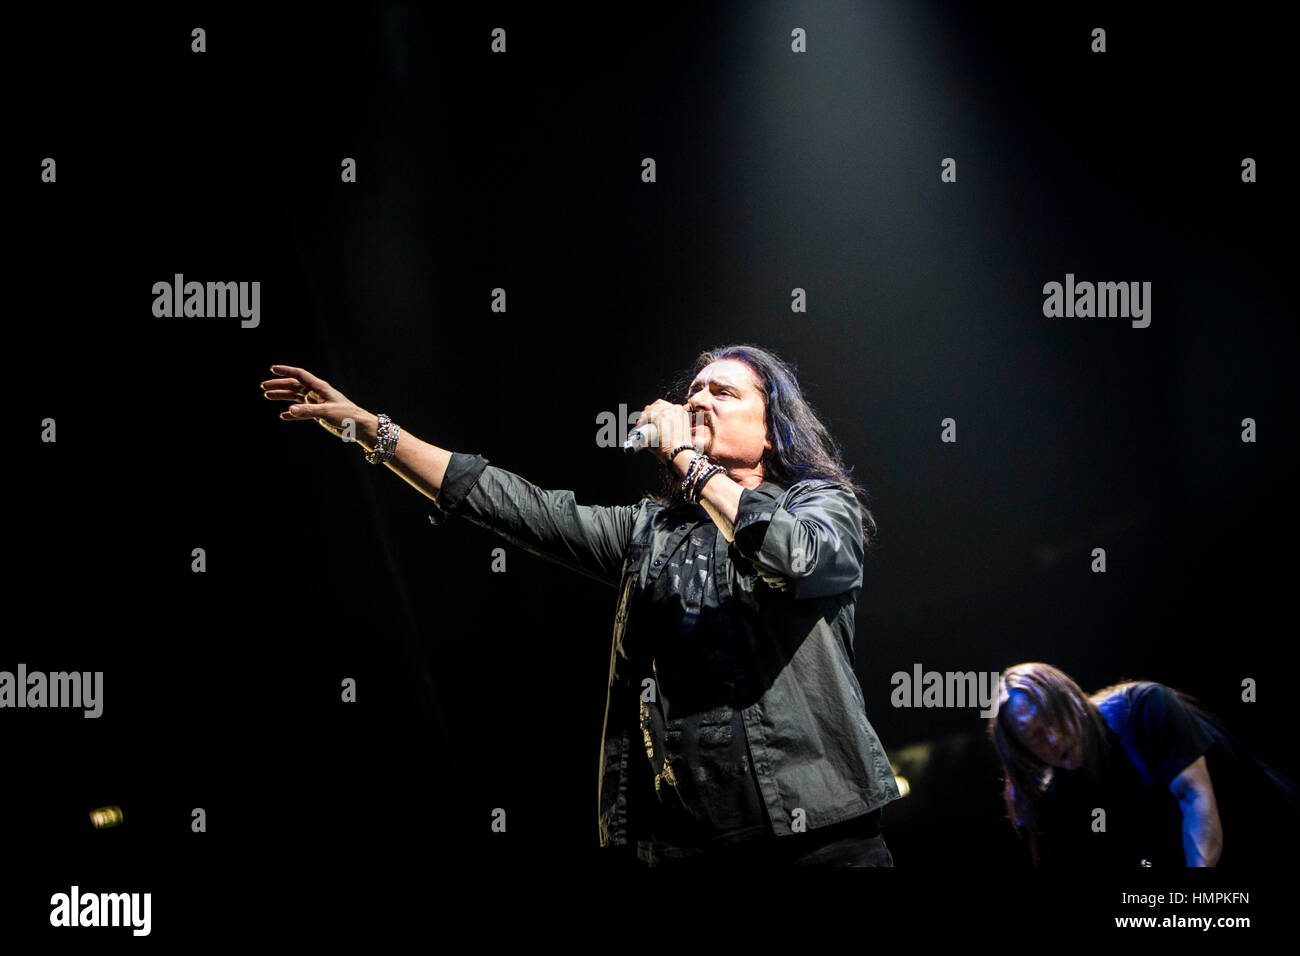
x: 697, y: 487
x: 386, y: 442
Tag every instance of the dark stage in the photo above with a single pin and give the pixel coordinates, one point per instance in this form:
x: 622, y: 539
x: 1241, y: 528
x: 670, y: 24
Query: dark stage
x: 883, y: 207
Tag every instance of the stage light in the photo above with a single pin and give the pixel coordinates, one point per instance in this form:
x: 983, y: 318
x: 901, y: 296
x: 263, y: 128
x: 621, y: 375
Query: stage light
x: 106, y: 817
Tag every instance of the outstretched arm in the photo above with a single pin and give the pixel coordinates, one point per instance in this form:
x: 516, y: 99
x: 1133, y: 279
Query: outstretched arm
x: 422, y: 465
x: 589, y: 539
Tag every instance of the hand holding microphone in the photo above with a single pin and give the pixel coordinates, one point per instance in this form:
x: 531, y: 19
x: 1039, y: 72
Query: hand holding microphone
x: 663, y: 426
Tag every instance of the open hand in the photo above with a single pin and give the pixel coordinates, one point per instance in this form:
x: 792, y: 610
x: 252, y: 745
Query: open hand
x: 315, y: 399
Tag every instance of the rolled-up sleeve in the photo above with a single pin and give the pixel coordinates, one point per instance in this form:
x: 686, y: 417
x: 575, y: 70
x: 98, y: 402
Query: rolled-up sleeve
x: 589, y: 539
x: 806, y: 540
x: 461, y: 475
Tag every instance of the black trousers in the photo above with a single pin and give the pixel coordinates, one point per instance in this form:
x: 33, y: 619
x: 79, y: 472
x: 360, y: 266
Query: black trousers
x: 856, y: 842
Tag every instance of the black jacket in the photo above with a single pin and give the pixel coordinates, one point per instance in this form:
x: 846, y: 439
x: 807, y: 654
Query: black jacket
x: 786, y: 591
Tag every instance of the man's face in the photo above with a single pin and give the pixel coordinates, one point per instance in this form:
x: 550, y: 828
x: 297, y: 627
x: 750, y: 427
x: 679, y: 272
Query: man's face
x: 729, y: 414
x: 1052, y: 745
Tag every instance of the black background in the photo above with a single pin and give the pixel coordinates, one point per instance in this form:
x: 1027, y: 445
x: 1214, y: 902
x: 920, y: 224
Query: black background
x: 522, y: 171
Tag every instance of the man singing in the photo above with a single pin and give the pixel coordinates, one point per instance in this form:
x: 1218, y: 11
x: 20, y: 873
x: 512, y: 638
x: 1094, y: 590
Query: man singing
x: 735, y: 728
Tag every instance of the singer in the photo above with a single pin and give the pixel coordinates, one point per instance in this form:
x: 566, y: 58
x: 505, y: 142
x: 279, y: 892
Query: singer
x: 735, y: 729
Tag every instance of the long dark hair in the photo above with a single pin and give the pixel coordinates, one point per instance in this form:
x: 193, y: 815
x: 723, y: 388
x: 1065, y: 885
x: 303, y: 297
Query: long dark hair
x: 802, y: 447
x: 1063, y: 705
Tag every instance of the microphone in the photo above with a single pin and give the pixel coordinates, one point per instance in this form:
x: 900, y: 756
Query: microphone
x: 647, y: 435
x: 641, y: 438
